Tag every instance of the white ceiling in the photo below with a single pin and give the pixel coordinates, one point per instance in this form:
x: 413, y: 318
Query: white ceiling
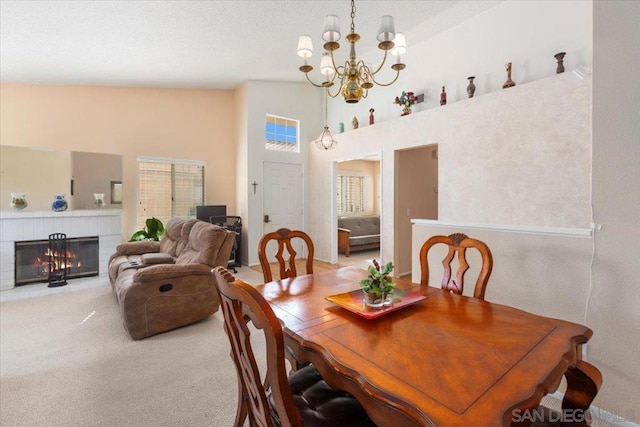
x: 192, y: 44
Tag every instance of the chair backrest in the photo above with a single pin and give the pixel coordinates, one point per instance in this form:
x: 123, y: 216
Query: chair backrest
x: 284, y: 237
x: 241, y: 303
x: 458, y: 244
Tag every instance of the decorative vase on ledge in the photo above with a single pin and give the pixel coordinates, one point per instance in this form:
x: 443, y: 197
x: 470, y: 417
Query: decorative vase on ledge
x: 98, y: 201
x: 59, y: 203
x: 18, y: 201
x: 560, y: 59
x: 471, y: 88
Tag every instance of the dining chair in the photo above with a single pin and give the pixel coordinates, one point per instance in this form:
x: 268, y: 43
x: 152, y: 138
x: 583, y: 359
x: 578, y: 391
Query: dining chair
x: 284, y: 237
x: 458, y: 243
x: 300, y: 399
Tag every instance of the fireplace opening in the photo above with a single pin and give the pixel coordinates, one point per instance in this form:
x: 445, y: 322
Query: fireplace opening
x: 32, y: 259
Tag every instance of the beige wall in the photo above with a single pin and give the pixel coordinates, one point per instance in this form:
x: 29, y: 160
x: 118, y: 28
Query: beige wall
x: 31, y: 172
x: 131, y: 122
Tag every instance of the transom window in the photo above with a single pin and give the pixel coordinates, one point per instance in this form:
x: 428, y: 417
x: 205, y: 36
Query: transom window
x: 350, y: 194
x: 168, y: 188
x: 281, y: 134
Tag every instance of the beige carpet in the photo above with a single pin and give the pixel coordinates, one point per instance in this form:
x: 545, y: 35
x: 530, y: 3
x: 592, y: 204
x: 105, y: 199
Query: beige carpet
x: 66, y: 360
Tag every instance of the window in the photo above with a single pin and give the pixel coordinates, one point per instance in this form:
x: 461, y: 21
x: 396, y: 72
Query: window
x: 281, y: 134
x: 168, y: 188
x: 350, y: 194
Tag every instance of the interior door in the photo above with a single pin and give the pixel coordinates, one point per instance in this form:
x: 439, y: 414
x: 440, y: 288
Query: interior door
x: 282, y: 199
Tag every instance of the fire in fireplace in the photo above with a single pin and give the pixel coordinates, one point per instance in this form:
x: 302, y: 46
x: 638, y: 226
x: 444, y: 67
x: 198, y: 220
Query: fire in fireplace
x: 32, y: 259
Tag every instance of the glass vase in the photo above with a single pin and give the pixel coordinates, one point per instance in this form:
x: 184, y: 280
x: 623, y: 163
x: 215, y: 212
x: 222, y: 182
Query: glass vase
x: 373, y: 300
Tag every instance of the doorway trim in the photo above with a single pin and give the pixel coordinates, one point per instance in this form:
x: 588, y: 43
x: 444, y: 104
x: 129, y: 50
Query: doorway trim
x: 334, y: 201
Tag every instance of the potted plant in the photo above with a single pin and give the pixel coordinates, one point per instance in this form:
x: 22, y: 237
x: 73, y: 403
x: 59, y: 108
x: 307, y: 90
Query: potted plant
x: 152, y: 231
x: 378, y: 284
x: 406, y: 99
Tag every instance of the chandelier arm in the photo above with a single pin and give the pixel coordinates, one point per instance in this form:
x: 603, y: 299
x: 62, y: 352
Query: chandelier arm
x: 384, y: 60
x: 387, y: 84
x: 309, y: 80
x: 336, y: 68
x: 337, y: 92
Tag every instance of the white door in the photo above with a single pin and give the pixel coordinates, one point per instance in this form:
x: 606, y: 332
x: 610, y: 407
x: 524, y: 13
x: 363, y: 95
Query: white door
x: 282, y: 199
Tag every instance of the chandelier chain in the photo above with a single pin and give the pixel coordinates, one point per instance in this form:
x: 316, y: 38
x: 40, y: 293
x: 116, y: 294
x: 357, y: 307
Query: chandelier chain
x: 353, y: 15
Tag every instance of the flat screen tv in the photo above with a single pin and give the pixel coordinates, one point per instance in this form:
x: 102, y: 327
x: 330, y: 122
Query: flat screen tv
x: 205, y: 212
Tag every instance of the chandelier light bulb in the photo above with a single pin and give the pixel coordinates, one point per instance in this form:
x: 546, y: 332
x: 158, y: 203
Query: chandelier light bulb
x: 326, y: 66
x: 387, y: 31
x: 331, y: 32
x: 305, y: 46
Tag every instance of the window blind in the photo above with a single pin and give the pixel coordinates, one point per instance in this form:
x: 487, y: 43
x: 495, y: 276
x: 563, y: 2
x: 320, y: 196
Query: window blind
x: 168, y: 188
x: 350, y: 194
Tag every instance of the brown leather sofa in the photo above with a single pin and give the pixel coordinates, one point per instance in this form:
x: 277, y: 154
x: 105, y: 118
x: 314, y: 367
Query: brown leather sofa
x: 167, y: 284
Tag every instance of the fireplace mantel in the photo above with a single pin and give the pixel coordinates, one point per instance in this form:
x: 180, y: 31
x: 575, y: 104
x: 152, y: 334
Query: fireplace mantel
x: 25, y: 225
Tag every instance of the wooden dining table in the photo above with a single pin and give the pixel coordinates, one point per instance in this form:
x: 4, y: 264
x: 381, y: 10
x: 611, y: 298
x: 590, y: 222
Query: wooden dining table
x: 446, y: 360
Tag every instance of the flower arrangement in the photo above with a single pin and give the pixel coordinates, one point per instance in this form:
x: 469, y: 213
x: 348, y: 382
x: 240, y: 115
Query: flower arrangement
x: 406, y: 99
x: 378, y: 281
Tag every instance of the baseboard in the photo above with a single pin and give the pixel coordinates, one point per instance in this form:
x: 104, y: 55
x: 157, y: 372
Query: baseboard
x: 602, y: 414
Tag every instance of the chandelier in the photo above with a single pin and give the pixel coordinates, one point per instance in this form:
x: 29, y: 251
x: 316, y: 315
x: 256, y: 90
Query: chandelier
x: 355, y: 77
x: 325, y: 141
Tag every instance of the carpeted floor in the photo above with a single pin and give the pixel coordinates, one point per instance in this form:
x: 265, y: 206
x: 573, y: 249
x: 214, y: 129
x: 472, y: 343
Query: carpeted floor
x: 66, y: 360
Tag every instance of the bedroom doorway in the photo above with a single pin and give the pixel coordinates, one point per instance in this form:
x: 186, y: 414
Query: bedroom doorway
x: 358, y: 194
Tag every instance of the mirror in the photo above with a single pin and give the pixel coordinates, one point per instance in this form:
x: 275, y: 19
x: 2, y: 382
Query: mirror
x: 43, y: 173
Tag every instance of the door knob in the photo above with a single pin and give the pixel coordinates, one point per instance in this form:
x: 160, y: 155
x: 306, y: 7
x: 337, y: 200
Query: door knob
x: 266, y: 218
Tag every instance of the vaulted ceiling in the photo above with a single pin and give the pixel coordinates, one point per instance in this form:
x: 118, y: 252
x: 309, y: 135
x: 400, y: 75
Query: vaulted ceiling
x: 192, y: 44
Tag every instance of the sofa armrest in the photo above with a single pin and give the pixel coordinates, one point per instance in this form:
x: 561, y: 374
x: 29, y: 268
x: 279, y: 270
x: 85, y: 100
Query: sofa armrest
x: 157, y: 258
x: 343, y: 240
x: 138, y: 248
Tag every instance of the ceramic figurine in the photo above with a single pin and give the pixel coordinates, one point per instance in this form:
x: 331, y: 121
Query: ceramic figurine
x: 443, y: 97
x: 354, y: 122
x: 509, y: 82
x: 371, y: 118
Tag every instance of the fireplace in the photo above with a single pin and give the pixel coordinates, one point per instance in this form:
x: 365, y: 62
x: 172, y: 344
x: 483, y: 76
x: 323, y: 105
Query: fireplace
x: 32, y: 259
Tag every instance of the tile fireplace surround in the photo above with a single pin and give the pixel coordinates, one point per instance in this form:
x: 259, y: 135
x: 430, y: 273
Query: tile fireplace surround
x: 18, y: 226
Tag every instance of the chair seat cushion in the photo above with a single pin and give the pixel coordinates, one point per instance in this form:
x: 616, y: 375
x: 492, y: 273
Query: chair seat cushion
x: 320, y: 405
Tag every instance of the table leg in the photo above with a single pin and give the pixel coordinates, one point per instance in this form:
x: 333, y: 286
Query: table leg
x: 583, y: 382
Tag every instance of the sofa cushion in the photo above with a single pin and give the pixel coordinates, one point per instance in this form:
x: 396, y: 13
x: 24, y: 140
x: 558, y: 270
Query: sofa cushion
x: 205, y: 241
x: 360, y: 225
x: 172, y: 235
x: 184, y: 235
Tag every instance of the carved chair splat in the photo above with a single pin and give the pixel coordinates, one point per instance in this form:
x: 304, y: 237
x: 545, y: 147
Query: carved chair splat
x: 457, y: 243
x: 287, y: 267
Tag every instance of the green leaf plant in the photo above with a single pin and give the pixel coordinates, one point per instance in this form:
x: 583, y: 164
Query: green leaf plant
x: 379, y: 280
x: 152, y: 231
